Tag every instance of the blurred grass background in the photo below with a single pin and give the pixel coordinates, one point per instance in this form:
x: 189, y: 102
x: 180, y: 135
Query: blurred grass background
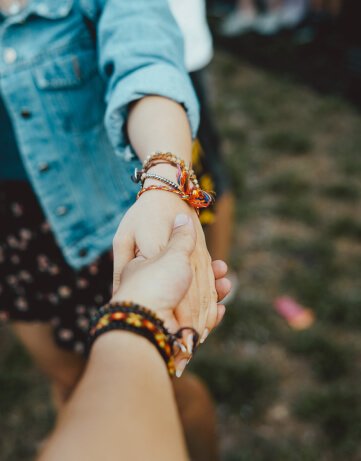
x: 282, y: 395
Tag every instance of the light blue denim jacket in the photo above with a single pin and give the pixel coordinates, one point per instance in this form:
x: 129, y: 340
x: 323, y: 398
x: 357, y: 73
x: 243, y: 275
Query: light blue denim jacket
x: 68, y: 66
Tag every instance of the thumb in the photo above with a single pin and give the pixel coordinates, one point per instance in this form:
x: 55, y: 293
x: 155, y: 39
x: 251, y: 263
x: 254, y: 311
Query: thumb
x: 123, y: 250
x: 183, y: 237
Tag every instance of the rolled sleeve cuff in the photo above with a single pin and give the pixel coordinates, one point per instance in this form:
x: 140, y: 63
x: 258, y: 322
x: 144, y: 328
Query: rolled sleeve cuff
x: 157, y: 79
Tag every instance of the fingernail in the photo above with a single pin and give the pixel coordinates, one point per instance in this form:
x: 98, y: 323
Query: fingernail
x: 181, y: 220
x: 204, y: 336
x: 183, y: 348
x: 190, y: 358
x: 190, y: 344
x: 180, y: 368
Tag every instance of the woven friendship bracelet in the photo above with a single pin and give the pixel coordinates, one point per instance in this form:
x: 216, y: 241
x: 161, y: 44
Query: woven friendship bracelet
x: 126, y: 307
x: 160, y: 158
x: 197, y: 199
x: 139, y: 320
x: 187, y: 186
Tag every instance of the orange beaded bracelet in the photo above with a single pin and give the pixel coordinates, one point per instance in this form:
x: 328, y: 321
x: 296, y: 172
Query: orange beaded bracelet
x: 187, y: 186
x: 137, y: 319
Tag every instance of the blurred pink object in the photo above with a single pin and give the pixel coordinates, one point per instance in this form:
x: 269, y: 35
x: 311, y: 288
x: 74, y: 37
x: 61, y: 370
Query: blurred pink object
x: 297, y: 316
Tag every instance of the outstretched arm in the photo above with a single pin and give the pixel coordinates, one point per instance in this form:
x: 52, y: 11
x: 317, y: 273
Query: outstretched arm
x: 124, y: 407
x: 151, y: 105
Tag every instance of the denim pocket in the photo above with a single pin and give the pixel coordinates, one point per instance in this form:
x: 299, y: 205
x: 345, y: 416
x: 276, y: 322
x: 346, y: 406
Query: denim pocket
x: 72, y: 90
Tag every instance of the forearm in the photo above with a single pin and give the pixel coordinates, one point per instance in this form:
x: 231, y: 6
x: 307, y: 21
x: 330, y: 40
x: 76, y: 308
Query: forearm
x: 123, y: 407
x: 159, y: 124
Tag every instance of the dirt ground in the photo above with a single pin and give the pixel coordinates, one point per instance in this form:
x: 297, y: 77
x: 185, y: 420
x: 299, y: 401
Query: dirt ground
x: 294, y: 156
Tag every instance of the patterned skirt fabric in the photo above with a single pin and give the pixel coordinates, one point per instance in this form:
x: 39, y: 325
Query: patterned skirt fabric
x: 36, y: 284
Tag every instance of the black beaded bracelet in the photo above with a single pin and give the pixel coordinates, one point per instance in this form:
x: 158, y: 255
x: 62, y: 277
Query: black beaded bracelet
x: 139, y: 320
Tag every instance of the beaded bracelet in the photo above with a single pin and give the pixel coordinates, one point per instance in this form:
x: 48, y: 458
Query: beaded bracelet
x: 139, y: 320
x: 187, y: 186
x: 166, y: 181
x: 167, y: 157
x: 160, y: 158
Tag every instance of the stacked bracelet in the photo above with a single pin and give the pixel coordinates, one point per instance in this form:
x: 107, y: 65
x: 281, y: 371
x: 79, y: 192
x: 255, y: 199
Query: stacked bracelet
x: 166, y: 181
x: 139, y: 320
x: 167, y: 157
x: 186, y: 187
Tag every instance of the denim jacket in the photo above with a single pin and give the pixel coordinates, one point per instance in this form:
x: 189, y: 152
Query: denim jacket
x: 68, y: 71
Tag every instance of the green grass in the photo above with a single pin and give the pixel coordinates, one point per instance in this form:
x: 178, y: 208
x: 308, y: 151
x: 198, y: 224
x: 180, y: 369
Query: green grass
x: 292, y: 143
x: 297, y: 209
x: 342, y: 192
x: 289, y: 183
x: 329, y: 359
x: 245, y: 387
x: 262, y: 449
x: 337, y: 410
x: 343, y: 150
x: 26, y: 415
x: 346, y: 227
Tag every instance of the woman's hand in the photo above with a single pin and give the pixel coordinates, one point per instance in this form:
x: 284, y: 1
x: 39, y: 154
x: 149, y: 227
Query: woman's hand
x: 145, y: 232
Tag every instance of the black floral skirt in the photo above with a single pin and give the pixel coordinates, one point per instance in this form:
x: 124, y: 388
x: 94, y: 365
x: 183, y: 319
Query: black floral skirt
x: 36, y: 283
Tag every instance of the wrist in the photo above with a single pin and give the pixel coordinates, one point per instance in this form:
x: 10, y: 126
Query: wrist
x: 124, y: 347
x: 164, y: 203
x: 138, y: 320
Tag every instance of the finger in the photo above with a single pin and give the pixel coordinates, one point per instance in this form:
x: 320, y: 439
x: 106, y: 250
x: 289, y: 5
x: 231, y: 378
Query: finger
x: 221, y: 310
x: 170, y: 322
x: 192, y: 301
x: 214, y: 319
x: 183, y: 237
x: 180, y: 363
x: 123, y: 249
x: 182, y: 355
x: 185, y: 317
x: 223, y: 287
x: 220, y: 269
x: 211, y: 322
x: 208, y: 300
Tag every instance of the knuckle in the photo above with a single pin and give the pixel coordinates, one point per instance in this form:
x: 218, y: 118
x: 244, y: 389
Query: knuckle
x: 119, y: 240
x: 116, y: 243
x: 205, y: 301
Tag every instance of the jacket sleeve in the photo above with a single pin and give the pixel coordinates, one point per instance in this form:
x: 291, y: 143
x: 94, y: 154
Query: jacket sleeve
x: 141, y: 53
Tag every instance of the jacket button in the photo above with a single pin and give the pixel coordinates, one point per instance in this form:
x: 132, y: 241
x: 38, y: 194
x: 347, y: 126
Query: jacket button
x: 83, y: 252
x: 14, y: 9
x: 61, y: 211
x: 25, y: 113
x: 10, y: 55
x: 43, y: 167
x: 42, y: 9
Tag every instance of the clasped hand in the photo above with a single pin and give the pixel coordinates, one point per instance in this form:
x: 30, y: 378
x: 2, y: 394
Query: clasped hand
x: 161, y: 261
